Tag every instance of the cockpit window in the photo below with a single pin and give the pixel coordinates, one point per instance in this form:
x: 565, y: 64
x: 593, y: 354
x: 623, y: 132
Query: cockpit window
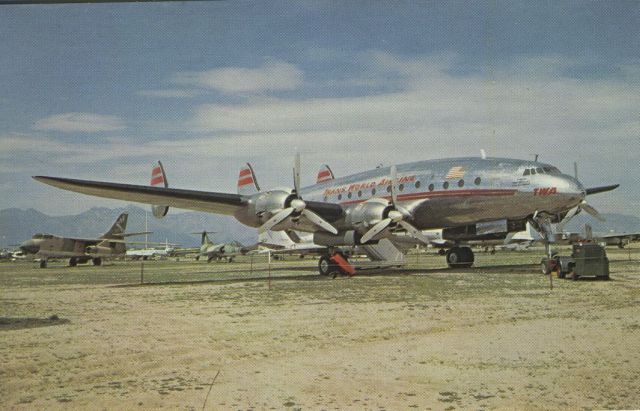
x: 526, y: 172
x: 539, y: 170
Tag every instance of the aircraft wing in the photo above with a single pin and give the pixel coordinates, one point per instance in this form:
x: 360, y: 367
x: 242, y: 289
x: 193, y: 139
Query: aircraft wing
x: 220, y: 203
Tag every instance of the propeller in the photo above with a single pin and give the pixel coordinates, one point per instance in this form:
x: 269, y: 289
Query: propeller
x: 395, y: 216
x: 297, y: 207
x: 582, y: 206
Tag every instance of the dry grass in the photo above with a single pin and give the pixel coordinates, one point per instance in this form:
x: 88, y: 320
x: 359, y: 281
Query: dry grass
x: 423, y: 337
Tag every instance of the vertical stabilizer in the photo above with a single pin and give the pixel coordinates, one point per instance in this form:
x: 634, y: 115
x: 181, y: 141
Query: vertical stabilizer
x: 159, y: 179
x: 117, y: 229
x: 324, y: 174
x: 247, y: 182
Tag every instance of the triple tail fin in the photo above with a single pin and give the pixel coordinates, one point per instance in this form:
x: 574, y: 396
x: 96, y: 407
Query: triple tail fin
x: 247, y: 182
x: 159, y: 179
x: 324, y: 174
x: 118, y: 228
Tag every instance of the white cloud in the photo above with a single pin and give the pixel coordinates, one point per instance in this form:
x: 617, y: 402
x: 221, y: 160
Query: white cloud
x: 526, y: 107
x: 79, y: 122
x: 273, y: 76
x: 169, y: 93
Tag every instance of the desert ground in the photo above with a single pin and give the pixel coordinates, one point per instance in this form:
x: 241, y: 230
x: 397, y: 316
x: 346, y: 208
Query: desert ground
x: 223, y: 336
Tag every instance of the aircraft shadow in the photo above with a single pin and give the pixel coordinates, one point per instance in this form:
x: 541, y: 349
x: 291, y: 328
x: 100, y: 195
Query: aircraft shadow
x: 17, y: 323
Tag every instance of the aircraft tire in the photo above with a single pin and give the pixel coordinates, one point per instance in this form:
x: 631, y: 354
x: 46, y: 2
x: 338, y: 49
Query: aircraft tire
x: 460, y: 257
x: 73, y: 262
x: 325, y: 266
x: 43, y: 263
x: 97, y: 261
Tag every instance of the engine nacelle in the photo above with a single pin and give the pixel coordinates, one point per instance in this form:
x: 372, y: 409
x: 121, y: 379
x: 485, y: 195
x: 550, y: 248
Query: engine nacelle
x: 343, y: 238
x: 266, y: 204
x: 368, y: 213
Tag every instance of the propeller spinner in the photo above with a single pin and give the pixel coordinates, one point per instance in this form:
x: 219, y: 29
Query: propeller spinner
x: 297, y: 207
x: 395, y: 216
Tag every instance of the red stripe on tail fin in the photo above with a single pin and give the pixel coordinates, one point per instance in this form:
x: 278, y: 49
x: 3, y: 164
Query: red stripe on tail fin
x: 247, y: 183
x: 159, y: 179
x: 324, y: 174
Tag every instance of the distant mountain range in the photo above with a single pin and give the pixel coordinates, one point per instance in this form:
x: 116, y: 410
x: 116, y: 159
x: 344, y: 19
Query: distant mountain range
x: 17, y: 225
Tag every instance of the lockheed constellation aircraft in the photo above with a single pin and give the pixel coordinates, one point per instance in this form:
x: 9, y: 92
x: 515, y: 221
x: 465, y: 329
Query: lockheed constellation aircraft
x: 468, y: 198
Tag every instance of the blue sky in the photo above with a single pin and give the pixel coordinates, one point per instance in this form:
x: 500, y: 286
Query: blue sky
x: 102, y: 91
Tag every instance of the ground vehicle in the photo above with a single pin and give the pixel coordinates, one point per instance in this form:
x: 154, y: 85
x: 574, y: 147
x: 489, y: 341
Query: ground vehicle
x: 586, y: 260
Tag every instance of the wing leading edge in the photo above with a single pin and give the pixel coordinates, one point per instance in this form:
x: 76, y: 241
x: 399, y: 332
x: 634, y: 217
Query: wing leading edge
x: 219, y: 203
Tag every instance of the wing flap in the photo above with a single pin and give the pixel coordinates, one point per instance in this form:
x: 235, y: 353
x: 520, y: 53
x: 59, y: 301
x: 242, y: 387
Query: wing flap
x: 220, y: 203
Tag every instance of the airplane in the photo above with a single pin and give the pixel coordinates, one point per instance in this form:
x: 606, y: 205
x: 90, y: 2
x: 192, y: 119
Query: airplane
x: 468, y: 198
x: 146, y: 253
x: 219, y: 251
x: 79, y: 250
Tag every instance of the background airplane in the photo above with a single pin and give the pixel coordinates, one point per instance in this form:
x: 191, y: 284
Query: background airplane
x: 220, y: 251
x: 465, y: 197
x: 79, y: 250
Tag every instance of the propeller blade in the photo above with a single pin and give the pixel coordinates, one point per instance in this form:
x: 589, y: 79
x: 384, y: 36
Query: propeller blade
x: 570, y: 214
x: 296, y: 173
x: 276, y: 219
x: 375, y: 230
x: 592, y: 211
x: 414, y: 232
x: 319, y: 221
x: 394, y: 176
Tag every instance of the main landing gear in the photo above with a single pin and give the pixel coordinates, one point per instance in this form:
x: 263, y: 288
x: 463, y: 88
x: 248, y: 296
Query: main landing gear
x: 334, y: 265
x: 460, y: 257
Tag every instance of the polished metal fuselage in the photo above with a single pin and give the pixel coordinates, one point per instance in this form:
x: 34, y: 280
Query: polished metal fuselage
x: 451, y: 192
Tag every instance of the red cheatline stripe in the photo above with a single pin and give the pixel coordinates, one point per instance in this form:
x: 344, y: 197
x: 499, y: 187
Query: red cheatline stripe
x: 157, y: 180
x: 452, y: 193
x: 245, y: 181
x: 245, y: 172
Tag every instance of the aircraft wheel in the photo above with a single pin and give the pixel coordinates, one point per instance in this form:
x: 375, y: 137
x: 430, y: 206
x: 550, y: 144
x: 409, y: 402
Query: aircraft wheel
x: 43, y: 263
x: 326, y: 266
x: 197, y: 258
x: 97, y: 261
x: 460, y: 257
x: 73, y: 262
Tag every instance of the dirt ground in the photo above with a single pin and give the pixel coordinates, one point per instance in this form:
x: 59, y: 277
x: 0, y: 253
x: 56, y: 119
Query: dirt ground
x: 425, y: 337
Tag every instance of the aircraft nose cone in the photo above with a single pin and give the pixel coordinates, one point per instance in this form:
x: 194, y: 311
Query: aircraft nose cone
x: 30, y: 247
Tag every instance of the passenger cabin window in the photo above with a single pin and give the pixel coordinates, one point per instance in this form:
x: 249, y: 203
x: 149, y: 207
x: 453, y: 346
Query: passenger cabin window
x: 461, y: 183
x: 373, y: 191
x: 477, y: 181
x: 431, y: 187
x: 401, y: 187
x: 339, y: 196
x: 349, y: 195
x: 417, y: 185
x: 445, y: 185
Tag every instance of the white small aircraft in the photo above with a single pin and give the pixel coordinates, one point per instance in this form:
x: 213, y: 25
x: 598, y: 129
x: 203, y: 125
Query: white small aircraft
x: 468, y: 198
